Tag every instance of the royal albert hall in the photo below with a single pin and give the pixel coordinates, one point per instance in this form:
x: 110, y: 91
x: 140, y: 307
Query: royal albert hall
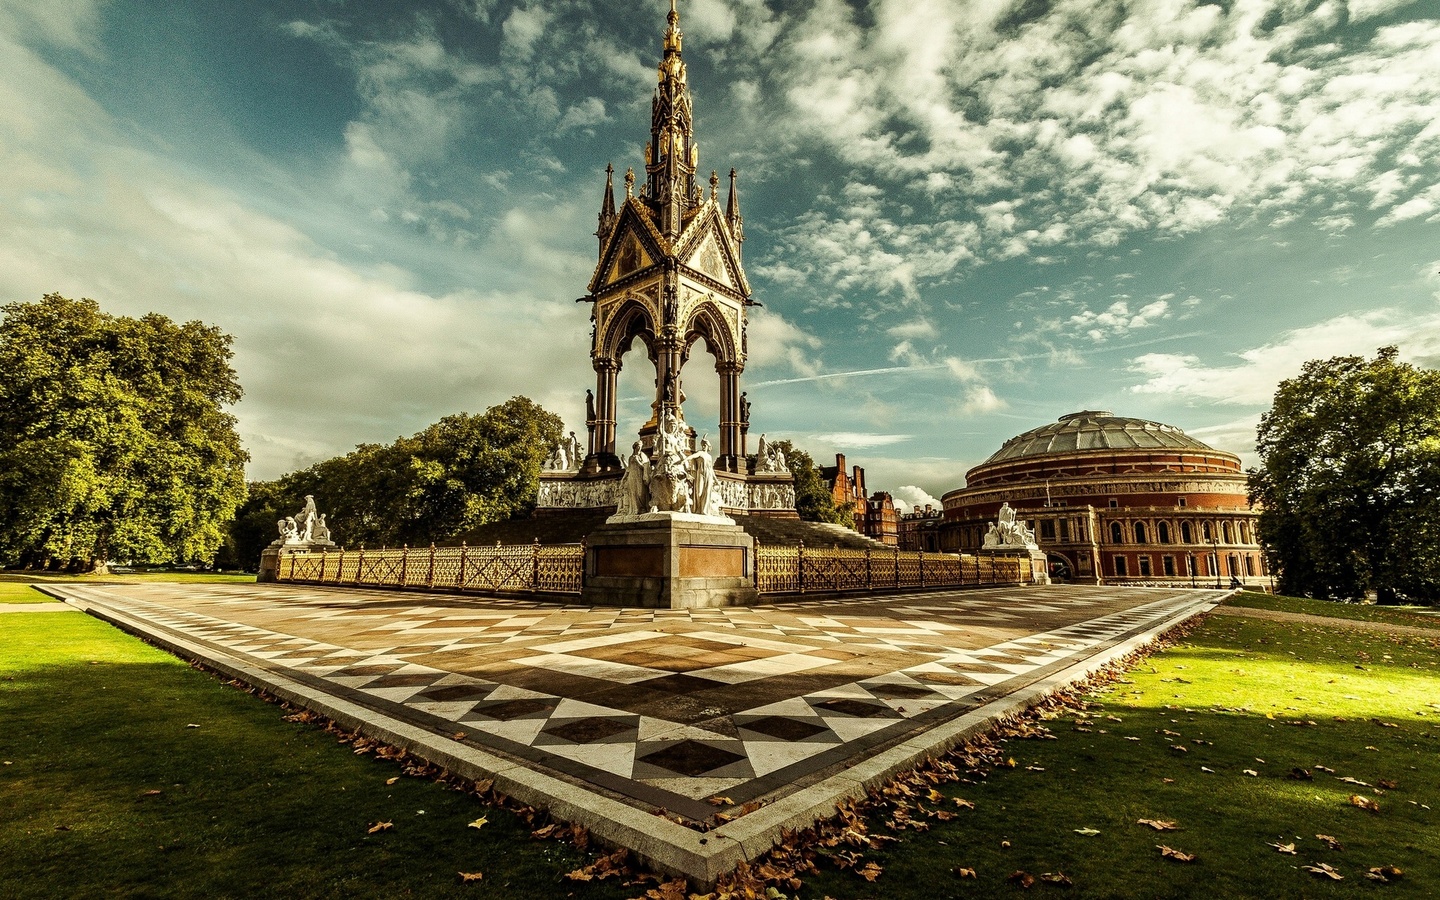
x: 1116, y: 500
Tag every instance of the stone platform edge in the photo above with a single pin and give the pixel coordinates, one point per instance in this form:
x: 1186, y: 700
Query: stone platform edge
x: 702, y: 857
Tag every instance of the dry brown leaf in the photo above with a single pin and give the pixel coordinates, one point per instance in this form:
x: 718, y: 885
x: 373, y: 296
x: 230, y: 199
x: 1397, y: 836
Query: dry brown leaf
x: 870, y: 872
x: 579, y: 875
x: 1387, y: 784
x: 1348, y: 780
x: 1022, y: 878
x: 151, y: 793
x: 1177, y: 855
x: 1364, y: 803
x: 670, y: 890
x: 963, y: 872
x: 380, y: 826
x: 962, y: 803
x: 1158, y: 824
x: 1329, y: 842
x: 392, y: 780
x: 719, y: 800
x: 1059, y: 878
x: 1287, y: 849
x: 1383, y: 874
x: 467, y: 877
x: 1324, y: 870
x: 935, y: 796
x: 1300, y: 774
x: 1251, y: 772
x: 478, y: 823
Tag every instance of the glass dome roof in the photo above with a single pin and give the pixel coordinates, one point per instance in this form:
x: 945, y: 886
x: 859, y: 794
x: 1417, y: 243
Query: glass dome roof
x: 1099, y: 430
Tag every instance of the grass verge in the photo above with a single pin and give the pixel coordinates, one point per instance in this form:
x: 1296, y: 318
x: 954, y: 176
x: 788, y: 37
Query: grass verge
x: 1363, y: 612
x: 1242, y: 736
x: 126, y: 772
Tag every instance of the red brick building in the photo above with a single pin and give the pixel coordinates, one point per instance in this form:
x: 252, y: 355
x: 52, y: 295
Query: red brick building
x: 875, y: 515
x: 1116, y: 500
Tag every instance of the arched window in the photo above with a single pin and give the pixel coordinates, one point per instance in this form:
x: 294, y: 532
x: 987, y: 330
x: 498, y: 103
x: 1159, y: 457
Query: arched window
x: 1162, y: 531
x: 1140, y: 537
x: 1186, y: 535
x: 1117, y: 535
x: 1225, y: 530
x: 1204, y: 531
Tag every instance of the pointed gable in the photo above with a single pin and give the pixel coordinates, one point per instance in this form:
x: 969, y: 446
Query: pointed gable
x: 634, y: 246
x: 707, y: 248
x: 706, y: 259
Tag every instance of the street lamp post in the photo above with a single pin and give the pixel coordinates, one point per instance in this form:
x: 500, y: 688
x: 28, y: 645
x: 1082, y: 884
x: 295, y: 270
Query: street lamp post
x: 1191, y: 554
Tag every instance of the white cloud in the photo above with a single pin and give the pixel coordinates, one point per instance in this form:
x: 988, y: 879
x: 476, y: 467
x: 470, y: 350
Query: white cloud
x: 908, y: 498
x: 859, y: 440
x: 980, y: 399
x: 1117, y: 320
x: 1251, y: 381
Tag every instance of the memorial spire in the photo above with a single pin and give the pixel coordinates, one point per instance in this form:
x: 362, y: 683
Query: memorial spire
x: 607, y: 207
x: 672, y: 155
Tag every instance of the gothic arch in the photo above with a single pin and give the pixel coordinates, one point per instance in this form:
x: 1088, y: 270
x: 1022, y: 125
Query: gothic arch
x: 707, y: 323
x: 631, y: 321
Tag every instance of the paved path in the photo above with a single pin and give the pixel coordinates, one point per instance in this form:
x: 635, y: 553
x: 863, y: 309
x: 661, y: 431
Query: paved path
x: 608, y: 716
x: 1276, y: 615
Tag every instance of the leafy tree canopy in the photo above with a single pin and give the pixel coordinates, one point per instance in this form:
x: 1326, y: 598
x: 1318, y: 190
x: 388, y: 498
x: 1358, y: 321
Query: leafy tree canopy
x: 1349, y: 482
x: 463, y: 471
x: 813, y: 499
x: 114, y: 439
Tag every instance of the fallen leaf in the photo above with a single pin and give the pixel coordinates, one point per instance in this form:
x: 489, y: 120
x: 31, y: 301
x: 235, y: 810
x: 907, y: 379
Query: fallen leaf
x: 1207, y: 769
x: 151, y: 793
x: 962, y: 803
x: 1383, y: 874
x: 392, y: 780
x: 467, y: 877
x: 1329, y: 842
x: 1364, y: 803
x: 1251, y: 772
x: 1387, y: 784
x: 1325, y: 870
x: 478, y: 823
x: 380, y: 826
x: 963, y: 872
x: 1088, y: 832
x: 719, y: 800
x: 1024, y: 879
x: 1010, y: 763
x: 192, y: 725
x: 1326, y: 769
x: 1287, y: 849
x: 1177, y: 855
x: 1059, y: 878
x: 935, y: 796
x: 1300, y: 774
x: 1158, y: 824
x: 871, y: 871
x: 1348, y: 780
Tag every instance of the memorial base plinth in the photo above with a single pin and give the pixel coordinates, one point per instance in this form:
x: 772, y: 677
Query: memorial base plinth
x: 664, y: 561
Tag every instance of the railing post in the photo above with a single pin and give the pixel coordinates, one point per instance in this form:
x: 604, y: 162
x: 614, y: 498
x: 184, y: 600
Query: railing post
x: 922, y: 568
x: 430, y: 575
x: 340, y: 568
x: 404, y: 563
x: 535, y: 565
x: 800, y: 567
x: 460, y: 577
x: 869, y: 576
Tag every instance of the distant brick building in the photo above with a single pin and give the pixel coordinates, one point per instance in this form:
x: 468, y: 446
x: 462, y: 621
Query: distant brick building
x: 919, y: 529
x: 875, y: 515
x: 1116, y: 500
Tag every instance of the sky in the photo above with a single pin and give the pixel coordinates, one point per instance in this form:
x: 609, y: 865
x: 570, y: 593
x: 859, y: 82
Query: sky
x: 963, y: 219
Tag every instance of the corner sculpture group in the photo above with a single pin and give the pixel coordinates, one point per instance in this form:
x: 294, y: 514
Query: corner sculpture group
x: 1008, y: 532
x: 674, y: 480
x: 305, y: 527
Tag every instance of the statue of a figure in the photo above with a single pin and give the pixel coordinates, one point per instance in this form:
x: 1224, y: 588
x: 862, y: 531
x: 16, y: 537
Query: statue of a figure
x: 704, y: 498
x: 1007, y: 517
x: 287, y: 528
x: 777, y: 460
x: 572, y: 446
x: 633, y: 498
x: 762, y: 455
x: 589, y: 406
x: 305, y: 519
x: 744, y: 409
x: 322, y: 531
x: 992, y: 537
x: 669, y: 480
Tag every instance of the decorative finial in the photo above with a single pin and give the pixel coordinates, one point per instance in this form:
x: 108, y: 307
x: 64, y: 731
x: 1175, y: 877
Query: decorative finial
x: 714, y: 185
x: 629, y: 182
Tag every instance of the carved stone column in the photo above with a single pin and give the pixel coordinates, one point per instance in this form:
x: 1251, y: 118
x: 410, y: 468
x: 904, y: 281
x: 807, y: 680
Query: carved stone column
x: 730, y: 444
x: 602, y: 455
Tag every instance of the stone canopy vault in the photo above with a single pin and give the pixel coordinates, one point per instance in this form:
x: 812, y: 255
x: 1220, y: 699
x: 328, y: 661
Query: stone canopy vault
x: 669, y: 279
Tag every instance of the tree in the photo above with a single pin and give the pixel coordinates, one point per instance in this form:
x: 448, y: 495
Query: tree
x: 1349, y: 482
x: 813, y: 499
x: 114, y: 438
x: 463, y: 471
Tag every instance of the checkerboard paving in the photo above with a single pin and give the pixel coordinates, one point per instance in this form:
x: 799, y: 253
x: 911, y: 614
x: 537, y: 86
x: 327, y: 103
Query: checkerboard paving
x: 660, y: 708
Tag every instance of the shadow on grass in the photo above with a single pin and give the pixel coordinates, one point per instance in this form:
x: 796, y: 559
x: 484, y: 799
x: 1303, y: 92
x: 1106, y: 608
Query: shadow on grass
x: 110, y: 789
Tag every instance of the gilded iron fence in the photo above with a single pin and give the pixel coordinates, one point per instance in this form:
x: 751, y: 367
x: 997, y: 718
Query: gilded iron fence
x: 532, y: 568
x: 806, y: 570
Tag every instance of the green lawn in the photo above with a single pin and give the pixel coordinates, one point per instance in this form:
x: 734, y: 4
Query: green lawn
x: 1365, y: 612
x: 108, y: 791
x: 18, y: 587
x: 1237, y: 695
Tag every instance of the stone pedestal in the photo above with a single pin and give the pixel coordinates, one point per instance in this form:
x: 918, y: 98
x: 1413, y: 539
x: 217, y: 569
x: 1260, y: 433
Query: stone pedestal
x: 270, y: 556
x: 1040, y: 566
x: 669, y: 560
